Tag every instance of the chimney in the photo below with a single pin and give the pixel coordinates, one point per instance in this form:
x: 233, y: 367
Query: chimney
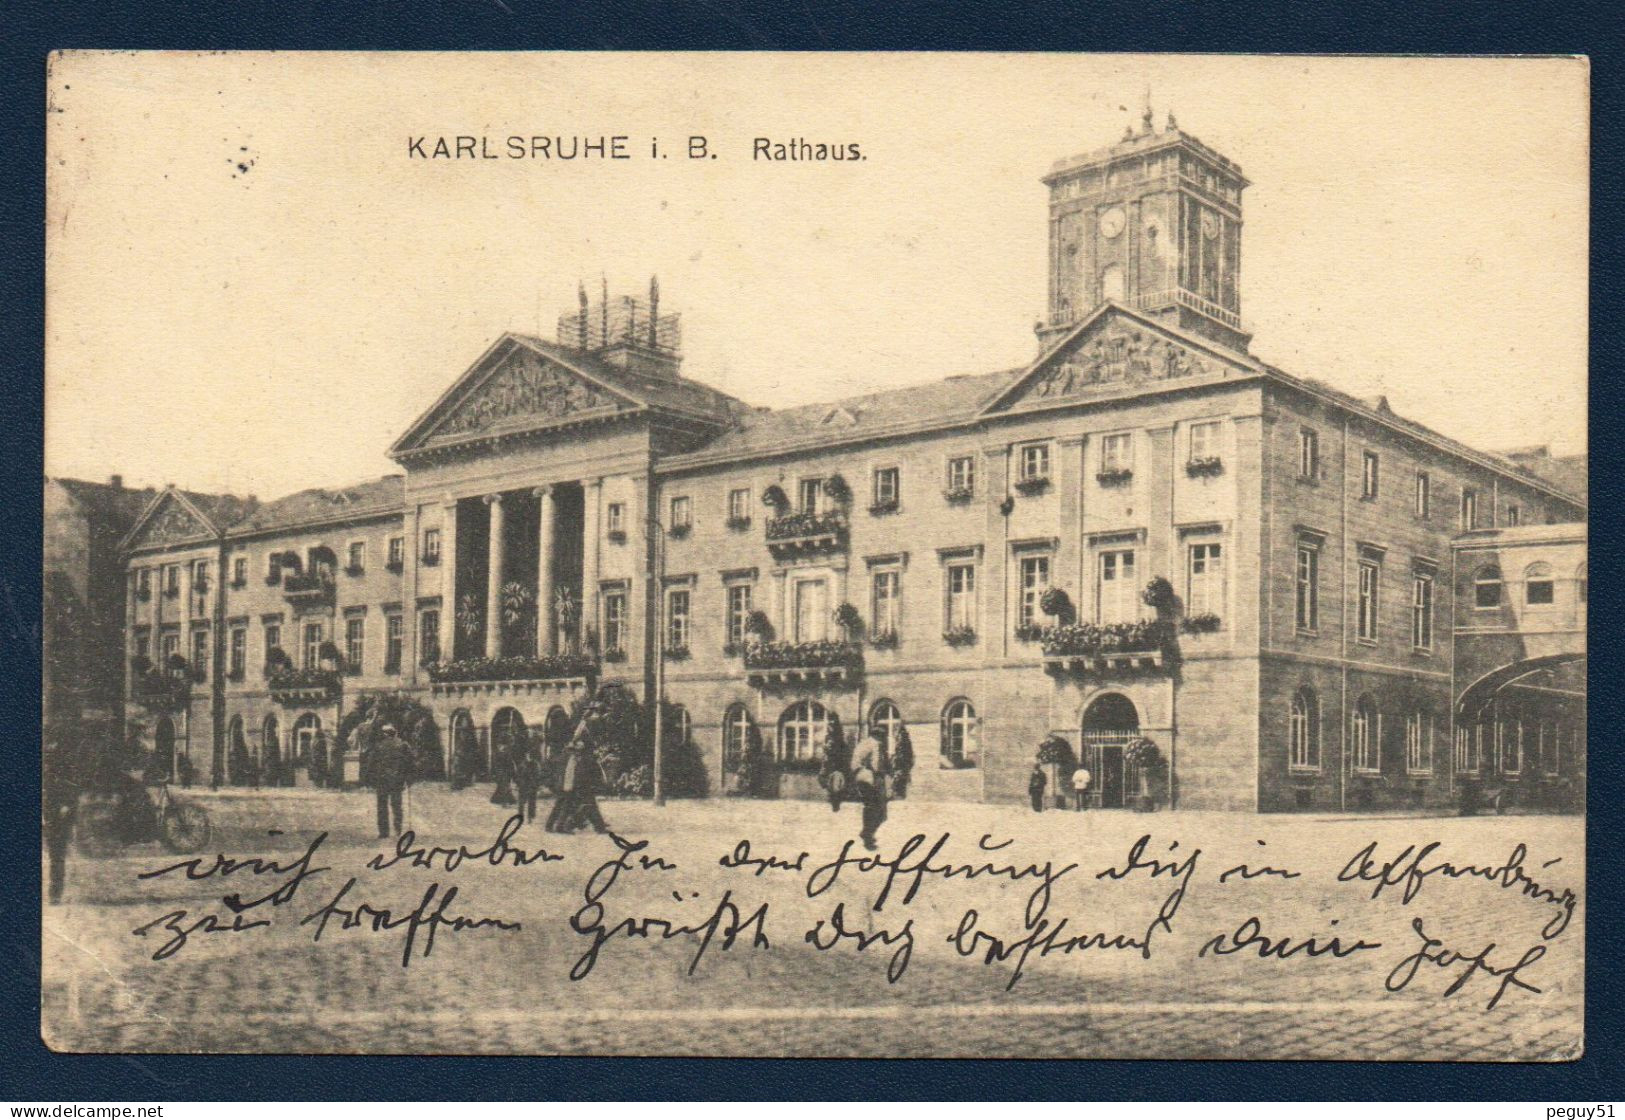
x: 116, y: 481
x: 627, y: 333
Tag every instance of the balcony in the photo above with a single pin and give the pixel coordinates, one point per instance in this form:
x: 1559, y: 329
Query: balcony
x: 1119, y: 647
x: 791, y: 664
x: 161, y: 692
x: 304, y: 687
x: 804, y: 534
x: 308, y: 589
x: 503, y: 675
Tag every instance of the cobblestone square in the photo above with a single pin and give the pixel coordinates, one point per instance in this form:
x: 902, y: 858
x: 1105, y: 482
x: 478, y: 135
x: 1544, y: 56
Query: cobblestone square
x: 654, y: 990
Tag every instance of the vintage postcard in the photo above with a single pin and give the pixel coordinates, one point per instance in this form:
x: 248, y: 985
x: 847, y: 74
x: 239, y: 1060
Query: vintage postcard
x: 816, y: 555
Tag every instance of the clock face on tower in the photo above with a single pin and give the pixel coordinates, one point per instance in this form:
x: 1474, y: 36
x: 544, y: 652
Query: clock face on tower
x: 1111, y: 223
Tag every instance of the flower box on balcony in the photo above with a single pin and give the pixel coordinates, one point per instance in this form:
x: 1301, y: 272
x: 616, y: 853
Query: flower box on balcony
x: 294, y: 687
x: 781, y: 663
x: 1116, y: 476
x: 1029, y: 487
x: 1117, y: 646
x: 1029, y: 632
x: 737, y: 524
x: 958, y: 495
x: 1207, y: 466
x: 508, y: 673
x: 800, y: 533
x: 959, y: 635
x: 1205, y: 623
x: 308, y: 588
x: 881, y: 509
x: 886, y: 639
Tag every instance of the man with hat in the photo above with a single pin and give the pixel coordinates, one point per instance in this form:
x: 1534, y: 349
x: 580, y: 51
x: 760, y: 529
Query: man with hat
x: 390, y: 770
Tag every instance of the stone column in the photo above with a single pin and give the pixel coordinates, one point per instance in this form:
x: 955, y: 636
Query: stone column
x: 592, y: 530
x: 493, y: 582
x: 546, y: 623
x: 448, y: 580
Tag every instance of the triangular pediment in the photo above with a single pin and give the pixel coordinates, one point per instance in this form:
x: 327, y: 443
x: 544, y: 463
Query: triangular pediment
x: 1116, y: 351
x: 169, y: 520
x: 514, y: 387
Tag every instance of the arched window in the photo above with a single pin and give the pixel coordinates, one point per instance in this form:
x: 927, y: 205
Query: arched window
x: 1537, y: 585
x: 270, y: 744
x: 556, y: 730
x: 736, y: 728
x: 305, y: 730
x: 508, y: 730
x: 886, y: 718
x: 1419, y: 743
x: 1487, y: 587
x: 803, y: 729
x: 1305, y: 731
x: 1365, y: 733
x: 959, y: 745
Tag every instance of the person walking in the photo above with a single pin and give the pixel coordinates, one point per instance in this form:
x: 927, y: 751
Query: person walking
x: 527, y: 778
x: 577, y: 800
x: 902, y: 763
x: 391, y: 771
x: 1036, y: 781
x: 59, y: 808
x: 869, y: 786
x: 1080, y: 787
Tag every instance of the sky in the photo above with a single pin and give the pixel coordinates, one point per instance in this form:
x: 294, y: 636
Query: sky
x: 252, y: 288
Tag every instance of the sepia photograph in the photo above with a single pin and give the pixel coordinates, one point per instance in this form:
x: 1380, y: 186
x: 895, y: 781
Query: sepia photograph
x: 815, y: 555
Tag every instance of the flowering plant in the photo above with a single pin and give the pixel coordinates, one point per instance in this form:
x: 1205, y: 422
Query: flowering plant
x: 959, y: 494
x: 1036, y: 484
x: 1056, y: 603
x: 1086, y: 639
x: 1158, y: 593
x: 959, y: 635
x: 774, y: 498
x: 1205, y: 623
x: 1115, y: 476
x: 803, y: 655
x: 554, y: 667
x: 837, y: 489
x: 1206, y: 466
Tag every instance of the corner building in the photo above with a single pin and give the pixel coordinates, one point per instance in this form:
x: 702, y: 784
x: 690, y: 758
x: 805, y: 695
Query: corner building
x: 1145, y: 533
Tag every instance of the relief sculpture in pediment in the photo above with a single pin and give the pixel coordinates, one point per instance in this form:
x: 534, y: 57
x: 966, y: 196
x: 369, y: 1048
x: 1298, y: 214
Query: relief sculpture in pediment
x: 1117, y: 356
x: 526, y: 385
x: 173, y: 523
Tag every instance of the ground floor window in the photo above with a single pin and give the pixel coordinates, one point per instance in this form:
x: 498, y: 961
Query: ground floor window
x: 1365, y: 735
x: 959, y: 738
x: 1419, y: 743
x: 1305, y: 731
x: 803, y: 731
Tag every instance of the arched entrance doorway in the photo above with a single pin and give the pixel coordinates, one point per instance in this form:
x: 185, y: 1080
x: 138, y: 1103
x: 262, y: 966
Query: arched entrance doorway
x: 556, y: 730
x: 308, y: 746
x: 236, y: 752
x: 1110, y: 724
x: 270, y: 767
x: 463, y: 745
x: 163, y: 762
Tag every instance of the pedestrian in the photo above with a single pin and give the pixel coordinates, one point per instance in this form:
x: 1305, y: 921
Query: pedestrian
x: 186, y: 771
x: 1080, y: 787
x: 502, y: 767
x: 902, y: 763
x: 869, y: 784
x: 1036, y: 781
x: 391, y: 771
x: 59, y: 808
x: 577, y: 800
x: 528, y: 779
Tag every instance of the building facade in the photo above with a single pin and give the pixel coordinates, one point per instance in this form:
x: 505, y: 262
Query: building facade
x: 1146, y: 534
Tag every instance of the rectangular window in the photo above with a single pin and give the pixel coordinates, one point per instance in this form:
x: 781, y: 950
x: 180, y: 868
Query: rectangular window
x: 677, y: 600
x: 1034, y: 582
x: 1366, y: 620
x: 1422, y: 611
x: 394, y: 640
x: 1514, y: 517
x: 1204, y: 591
x: 1418, y: 743
x: 1510, y: 734
x: 682, y: 513
x: 397, y: 552
x: 1308, y: 454
x: 1369, y: 467
x: 1423, y: 494
x: 355, y: 637
x: 615, y: 621
x: 962, y: 597
x: 429, y: 636
x: 1538, y: 588
x: 356, y: 560
x: 313, y: 645
x: 239, y: 571
x: 143, y: 645
x: 1115, y: 588
x: 172, y: 580
x: 615, y: 518
x: 169, y: 644
x: 1204, y: 441
x: 962, y: 474
x: 431, y: 546
x: 200, y: 653
x: 1117, y: 452
x: 1034, y: 461
x: 273, y: 639
x: 1469, y: 508
x: 143, y: 583
x: 739, y: 595
x: 810, y: 494
x: 739, y: 505
x: 239, y: 651
x: 811, y: 607
x: 1308, y: 588
x: 888, y: 486
x: 885, y: 602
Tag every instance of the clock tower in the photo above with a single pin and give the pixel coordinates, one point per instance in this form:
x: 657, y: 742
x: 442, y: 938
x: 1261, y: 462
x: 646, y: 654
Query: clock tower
x: 1152, y: 223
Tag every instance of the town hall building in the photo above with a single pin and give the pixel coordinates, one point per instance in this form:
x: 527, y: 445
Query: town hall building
x: 1299, y: 599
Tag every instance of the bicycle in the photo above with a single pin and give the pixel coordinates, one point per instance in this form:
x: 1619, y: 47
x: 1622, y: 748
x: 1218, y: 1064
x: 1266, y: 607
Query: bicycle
x: 110, y: 821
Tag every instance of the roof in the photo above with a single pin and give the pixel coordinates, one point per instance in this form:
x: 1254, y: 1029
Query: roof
x: 932, y: 405
x: 115, y: 506
x: 378, y: 496
x: 675, y: 394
